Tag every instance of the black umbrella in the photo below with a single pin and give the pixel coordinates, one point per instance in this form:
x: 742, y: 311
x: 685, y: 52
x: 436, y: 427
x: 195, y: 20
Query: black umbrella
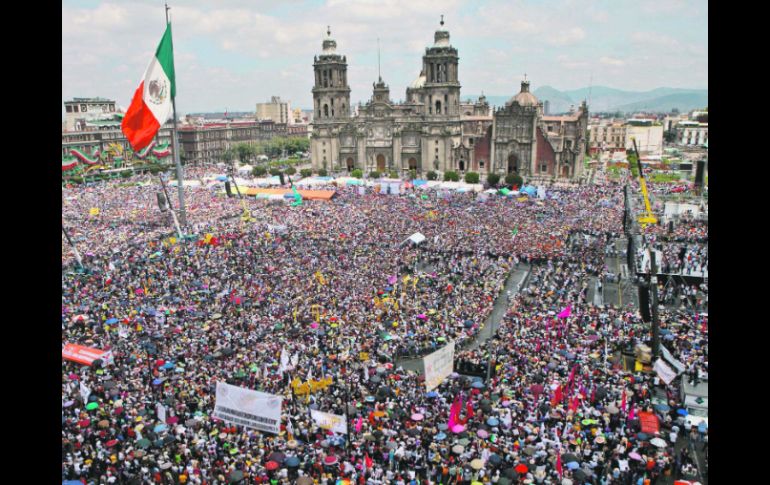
x: 579, y: 474
x: 601, y: 392
x: 511, y: 473
x: 277, y: 457
x: 495, y: 460
x: 545, y: 407
x: 569, y: 457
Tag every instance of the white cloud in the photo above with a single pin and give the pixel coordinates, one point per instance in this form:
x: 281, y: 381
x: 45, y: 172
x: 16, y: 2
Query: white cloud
x: 567, y: 37
x: 610, y: 61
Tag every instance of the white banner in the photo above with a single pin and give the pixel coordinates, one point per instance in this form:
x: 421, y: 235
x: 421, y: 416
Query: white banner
x: 333, y: 422
x: 665, y: 373
x: 671, y: 360
x: 438, y: 366
x: 249, y: 408
x: 84, y: 392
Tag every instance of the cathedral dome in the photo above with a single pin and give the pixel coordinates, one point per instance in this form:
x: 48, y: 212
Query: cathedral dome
x: 419, y: 82
x: 329, y: 44
x: 524, y: 98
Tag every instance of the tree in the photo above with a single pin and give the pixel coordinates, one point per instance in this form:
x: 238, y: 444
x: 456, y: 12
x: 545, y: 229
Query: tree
x: 432, y: 175
x: 451, y: 176
x: 412, y: 174
x: 306, y: 172
x: 244, y: 152
x: 374, y: 174
x: 393, y: 174
x: 493, y: 179
x: 228, y: 156
x: 514, y: 179
x: 275, y: 171
x: 322, y: 172
x: 291, y: 171
x: 258, y: 171
x: 357, y: 173
x: 472, y: 178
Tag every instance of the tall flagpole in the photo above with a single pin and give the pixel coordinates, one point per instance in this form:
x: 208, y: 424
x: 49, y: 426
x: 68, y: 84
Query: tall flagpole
x: 179, y: 176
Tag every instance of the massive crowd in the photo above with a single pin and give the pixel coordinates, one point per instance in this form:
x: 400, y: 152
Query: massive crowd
x: 336, y: 286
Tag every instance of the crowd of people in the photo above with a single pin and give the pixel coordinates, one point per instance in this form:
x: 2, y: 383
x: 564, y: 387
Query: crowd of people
x: 337, y: 287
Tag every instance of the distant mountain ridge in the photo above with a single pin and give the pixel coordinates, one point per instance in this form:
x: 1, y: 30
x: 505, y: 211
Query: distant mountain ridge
x: 603, y: 98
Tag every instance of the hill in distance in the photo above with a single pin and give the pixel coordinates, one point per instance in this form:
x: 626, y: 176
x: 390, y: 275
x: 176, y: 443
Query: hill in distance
x: 610, y: 99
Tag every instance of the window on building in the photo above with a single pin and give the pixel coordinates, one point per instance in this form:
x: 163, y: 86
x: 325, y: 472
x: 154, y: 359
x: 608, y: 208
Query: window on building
x: 75, y: 108
x: 69, y: 109
x: 83, y: 108
x: 543, y: 167
x: 481, y: 163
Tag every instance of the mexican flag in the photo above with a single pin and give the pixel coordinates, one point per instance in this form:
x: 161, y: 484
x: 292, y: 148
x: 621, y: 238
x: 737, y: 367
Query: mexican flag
x: 151, y: 106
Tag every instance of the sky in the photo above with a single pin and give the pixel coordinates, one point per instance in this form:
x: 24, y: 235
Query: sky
x: 232, y: 54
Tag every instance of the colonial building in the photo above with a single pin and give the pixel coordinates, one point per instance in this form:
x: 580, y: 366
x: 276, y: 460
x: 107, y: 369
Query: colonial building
x: 81, y: 111
x: 432, y: 129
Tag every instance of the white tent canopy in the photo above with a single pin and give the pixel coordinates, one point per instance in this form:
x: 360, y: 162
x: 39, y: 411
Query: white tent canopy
x: 416, y: 238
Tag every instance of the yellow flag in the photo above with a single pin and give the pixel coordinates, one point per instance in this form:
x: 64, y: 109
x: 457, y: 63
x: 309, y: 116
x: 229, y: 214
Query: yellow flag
x: 94, y: 211
x: 405, y: 279
x: 414, y: 284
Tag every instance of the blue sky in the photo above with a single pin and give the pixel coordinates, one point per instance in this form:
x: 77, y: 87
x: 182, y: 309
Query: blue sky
x: 235, y: 53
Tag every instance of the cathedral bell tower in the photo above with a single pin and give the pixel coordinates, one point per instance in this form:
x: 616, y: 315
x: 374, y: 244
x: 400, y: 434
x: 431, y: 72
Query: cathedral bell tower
x: 441, y: 87
x: 331, y: 93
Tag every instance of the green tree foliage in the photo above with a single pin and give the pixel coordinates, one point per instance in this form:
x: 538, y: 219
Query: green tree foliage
x: 451, y: 176
x: 374, y: 174
x: 306, y: 172
x: 514, y: 179
x: 432, y: 175
x: 393, y: 174
x: 357, y: 173
x: 291, y: 170
x: 493, y: 179
x: 258, y: 171
x: 322, y: 172
x: 472, y: 178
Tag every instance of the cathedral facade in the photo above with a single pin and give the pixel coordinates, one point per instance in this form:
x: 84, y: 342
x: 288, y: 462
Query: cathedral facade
x: 433, y: 130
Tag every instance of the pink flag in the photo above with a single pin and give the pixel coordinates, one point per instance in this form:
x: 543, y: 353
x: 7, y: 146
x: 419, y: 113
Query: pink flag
x: 631, y: 414
x: 392, y: 279
x: 623, y: 401
x: 359, y: 423
x: 566, y: 312
x: 558, y: 465
x: 454, y: 411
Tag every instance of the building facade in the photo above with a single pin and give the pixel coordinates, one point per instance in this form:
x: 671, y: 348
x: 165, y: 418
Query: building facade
x: 276, y: 110
x: 648, y: 135
x: 691, y: 133
x: 606, y: 135
x: 106, y: 140
x: 79, y: 111
x: 432, y: 130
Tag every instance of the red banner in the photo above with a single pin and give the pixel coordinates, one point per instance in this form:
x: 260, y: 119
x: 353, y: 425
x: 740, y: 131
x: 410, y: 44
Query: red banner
x: 649, y: 423
x: 85, y: 355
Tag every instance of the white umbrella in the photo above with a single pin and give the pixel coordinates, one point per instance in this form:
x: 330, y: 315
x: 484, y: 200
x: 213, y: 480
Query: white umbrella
x: 658, y: 442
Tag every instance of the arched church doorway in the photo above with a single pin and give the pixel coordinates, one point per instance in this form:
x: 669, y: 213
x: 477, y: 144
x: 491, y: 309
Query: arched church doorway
x: 380, y: 163
x: 565, y: 171
x: 350, y: 164
x: 462, y: 165
x: 412, y: 164
x: 513, y: 163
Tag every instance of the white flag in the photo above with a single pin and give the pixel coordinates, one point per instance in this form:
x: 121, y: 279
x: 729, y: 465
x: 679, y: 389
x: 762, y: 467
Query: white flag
x: 161, y: 412
x: 122, y: 331
x: 665, y: 372
x: 295, y: 360
x: 284, y: 361
x: 366, y: 374
x: 84, y: 391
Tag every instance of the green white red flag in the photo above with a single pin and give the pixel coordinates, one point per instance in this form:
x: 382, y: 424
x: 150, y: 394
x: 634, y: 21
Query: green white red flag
x: 151, y: 106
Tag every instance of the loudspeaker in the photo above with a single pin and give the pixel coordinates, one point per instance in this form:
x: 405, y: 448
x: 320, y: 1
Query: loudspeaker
x: 227, y: 189
x: 644, y: 304
x: 699, y: 173
x: 162, y: 202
